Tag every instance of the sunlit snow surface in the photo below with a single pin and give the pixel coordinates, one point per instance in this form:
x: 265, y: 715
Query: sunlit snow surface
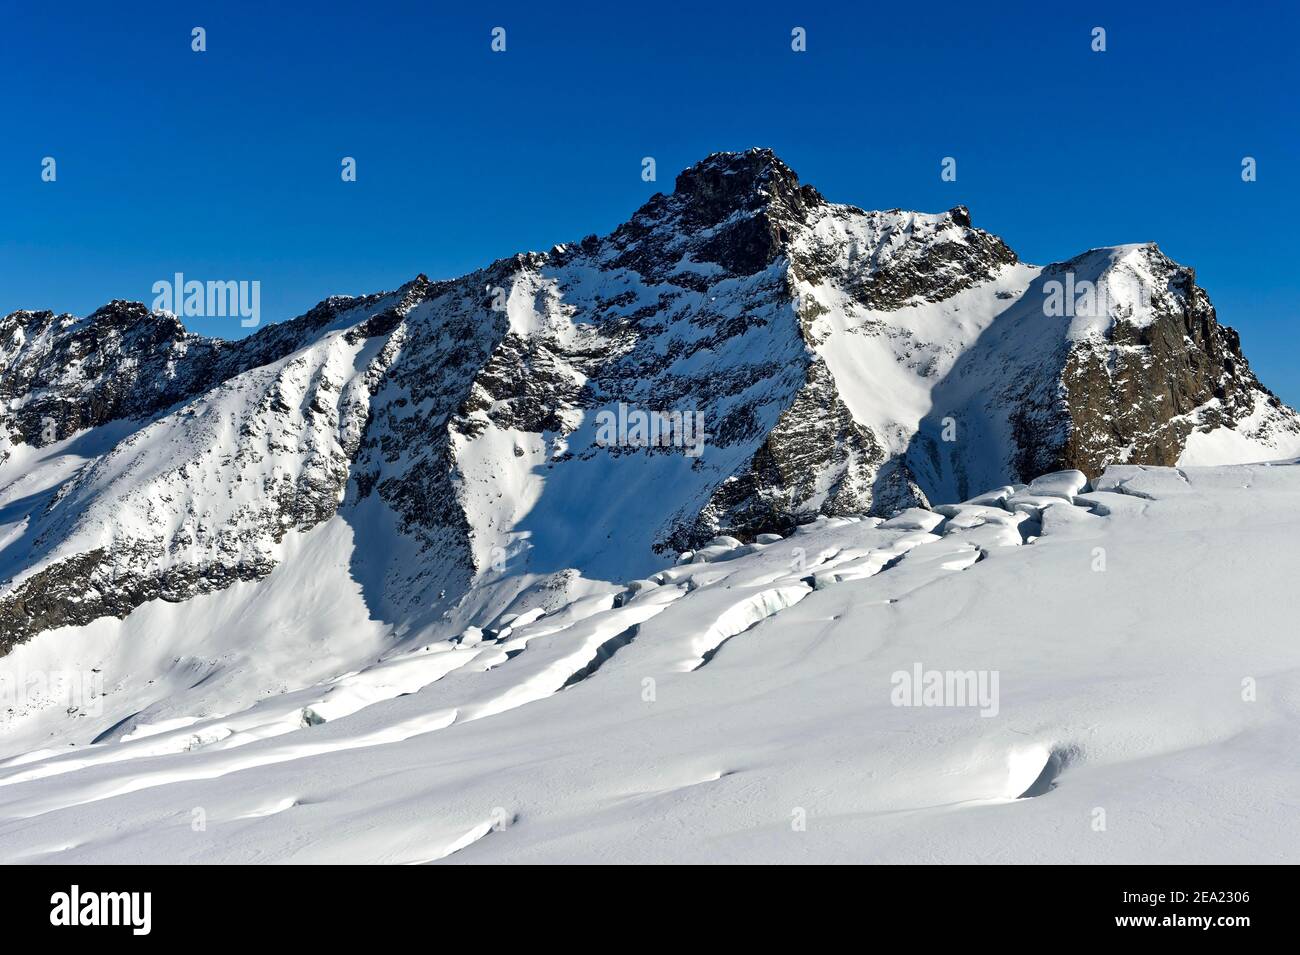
x: 737, y: 708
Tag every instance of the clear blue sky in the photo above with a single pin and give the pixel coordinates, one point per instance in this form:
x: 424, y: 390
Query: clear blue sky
x: 225, y: 164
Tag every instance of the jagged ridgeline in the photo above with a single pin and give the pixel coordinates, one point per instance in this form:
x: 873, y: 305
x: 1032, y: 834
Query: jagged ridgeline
x: 835, y: 362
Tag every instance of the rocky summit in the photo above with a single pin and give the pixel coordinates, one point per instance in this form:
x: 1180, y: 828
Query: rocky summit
x: 461, y: 434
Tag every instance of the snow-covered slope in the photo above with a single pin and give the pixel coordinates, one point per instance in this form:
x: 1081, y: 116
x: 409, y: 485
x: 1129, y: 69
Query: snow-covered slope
x: 250, y: 541
x: 1132, y: 699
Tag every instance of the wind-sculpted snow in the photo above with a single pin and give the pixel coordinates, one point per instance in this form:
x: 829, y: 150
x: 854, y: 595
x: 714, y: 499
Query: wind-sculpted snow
x: 589, y: 731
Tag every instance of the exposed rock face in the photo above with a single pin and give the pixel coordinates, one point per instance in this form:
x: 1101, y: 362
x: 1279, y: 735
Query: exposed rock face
x: 838, y: 361
x: 124, y: 362
x: 1138, y: 393
x: 905, y: 258
x: 48, y: 360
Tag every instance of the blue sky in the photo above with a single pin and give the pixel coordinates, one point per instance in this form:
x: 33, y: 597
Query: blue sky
x: 225, y: 164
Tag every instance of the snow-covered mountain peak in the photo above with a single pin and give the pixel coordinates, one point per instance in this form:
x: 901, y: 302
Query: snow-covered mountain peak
x: 726, y: 182
x: 829, y: 361
x: 1133, y: 285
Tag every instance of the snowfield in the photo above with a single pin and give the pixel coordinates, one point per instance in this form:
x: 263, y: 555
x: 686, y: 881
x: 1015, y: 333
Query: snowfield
x: 1104, y: 673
